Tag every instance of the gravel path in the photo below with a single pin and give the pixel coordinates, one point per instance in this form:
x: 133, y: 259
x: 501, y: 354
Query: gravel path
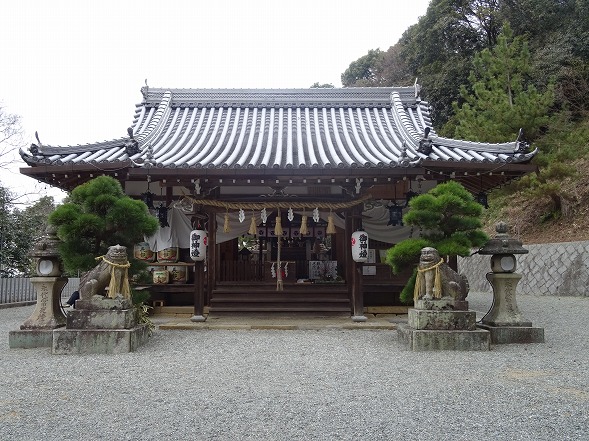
x: 304, y: 385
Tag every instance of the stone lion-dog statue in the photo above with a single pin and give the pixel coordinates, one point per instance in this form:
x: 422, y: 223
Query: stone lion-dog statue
x: 436, y: 280
x: 110, y: 272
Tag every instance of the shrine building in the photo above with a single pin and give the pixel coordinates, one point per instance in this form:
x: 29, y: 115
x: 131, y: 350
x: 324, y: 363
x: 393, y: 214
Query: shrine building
x: 279, y: 179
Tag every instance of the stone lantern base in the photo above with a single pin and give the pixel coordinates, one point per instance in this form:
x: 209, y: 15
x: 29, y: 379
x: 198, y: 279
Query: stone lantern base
x: 504, y: 321
x: 447, y: 329
x: 514, y: 334
x: 30, y: 338
x: 37, y: 330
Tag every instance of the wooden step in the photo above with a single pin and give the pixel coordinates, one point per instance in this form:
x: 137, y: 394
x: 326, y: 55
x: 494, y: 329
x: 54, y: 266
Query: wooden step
x: 265, y: 299
x: 261, y: 310
x: 279, y: 297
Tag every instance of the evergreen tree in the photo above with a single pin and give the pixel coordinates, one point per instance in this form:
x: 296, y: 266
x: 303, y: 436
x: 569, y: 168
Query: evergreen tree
x: 501, y: 99
x: 97, y: 215
x: 450, y: 220
x: 19, y: 230
x: 363, y: 71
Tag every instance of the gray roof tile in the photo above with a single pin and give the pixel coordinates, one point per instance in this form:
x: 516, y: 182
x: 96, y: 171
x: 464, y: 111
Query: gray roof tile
x: 280, y: 128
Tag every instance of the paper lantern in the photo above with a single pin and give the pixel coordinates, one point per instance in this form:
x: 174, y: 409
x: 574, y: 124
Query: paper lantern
x: 360, y: 246
x: 198, y: 245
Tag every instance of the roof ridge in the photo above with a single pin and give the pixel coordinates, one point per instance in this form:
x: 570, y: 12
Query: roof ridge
x: 289, y: 97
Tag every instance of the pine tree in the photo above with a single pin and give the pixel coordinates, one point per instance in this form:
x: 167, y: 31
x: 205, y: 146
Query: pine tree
x: 449, y: 219
x: 501, y: 99
x: 97, y: 215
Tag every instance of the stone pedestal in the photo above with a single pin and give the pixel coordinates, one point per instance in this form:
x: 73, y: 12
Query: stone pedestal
x: 37, y: 330
x: 100, y: 326
x: 514, y: 334
x: 443, y: 329
x: 446, y: 304
x: 504, y: 321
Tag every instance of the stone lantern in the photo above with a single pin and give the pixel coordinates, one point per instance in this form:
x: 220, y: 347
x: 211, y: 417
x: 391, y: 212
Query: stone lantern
x: 48, y: 315
x: 504, y: 320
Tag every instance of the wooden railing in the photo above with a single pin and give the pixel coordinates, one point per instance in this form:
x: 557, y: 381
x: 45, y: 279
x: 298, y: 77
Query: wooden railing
x: 240, y: 271
x: 253, y: 271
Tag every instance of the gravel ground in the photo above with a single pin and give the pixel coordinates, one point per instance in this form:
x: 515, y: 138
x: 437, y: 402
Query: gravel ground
x: 291, y: 385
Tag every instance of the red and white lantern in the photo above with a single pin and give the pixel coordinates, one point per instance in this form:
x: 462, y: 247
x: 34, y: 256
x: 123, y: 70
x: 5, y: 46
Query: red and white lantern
x: 360, y: 246
x: 198, y: 245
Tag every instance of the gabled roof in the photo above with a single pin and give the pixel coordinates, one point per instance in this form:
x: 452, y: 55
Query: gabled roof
x: 281, y: 129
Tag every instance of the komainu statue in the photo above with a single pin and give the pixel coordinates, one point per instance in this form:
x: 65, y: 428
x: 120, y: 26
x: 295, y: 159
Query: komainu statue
x: 111, y: 272
x: 436, y: 280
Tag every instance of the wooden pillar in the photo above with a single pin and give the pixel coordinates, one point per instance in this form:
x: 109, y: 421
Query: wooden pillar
x: 348, y: 261
x: 357, y: 288
x: 358, y: 295
x: 212, y: 255
x: 169, y: 196
x: 199, y: 297
x: 200, y: 294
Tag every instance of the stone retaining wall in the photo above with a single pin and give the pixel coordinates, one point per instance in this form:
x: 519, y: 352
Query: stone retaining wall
x: 557, y: 269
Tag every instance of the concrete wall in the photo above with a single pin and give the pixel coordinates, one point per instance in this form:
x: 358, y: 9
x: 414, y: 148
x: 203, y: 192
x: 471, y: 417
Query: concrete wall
x: 556, y: 269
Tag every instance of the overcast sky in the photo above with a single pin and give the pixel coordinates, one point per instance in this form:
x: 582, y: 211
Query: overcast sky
x: 73, y: 69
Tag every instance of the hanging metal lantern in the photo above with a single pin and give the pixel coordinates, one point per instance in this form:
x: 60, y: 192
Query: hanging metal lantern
x: 162, y: 215
x: 395, y: 214
x: 147, y: 199
x: 360, y: 246
x: 198, y: 245
x: 482, y: 199
x: 410, y: 195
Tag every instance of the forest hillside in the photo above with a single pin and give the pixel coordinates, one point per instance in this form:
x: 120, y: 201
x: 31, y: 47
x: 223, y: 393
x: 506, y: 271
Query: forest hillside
x: 490, y: 68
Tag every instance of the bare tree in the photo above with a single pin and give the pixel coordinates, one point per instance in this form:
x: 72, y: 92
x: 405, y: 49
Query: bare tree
x: 11, y: 136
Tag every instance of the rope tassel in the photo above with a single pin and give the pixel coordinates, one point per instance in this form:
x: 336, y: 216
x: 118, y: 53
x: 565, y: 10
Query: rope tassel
x: 420, y: 281
x: 253, y: 226
x: 278, y: 228
x: 114, y: 283
x: 226, y: 227
x: 330, y: 225
x: 304, y: 228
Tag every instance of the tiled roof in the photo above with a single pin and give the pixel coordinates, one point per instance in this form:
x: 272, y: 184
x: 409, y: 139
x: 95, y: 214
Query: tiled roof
x: 281, y: 128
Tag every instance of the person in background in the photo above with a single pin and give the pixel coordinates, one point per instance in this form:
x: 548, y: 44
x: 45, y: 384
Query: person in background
x: 72, y: 300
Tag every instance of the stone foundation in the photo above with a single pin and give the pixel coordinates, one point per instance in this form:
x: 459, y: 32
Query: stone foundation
x: 441, y: 329
x: 442, y: 304
x: 98, y: 341
x: 441, y: 320
x: 100, y: 326
x: 440, y: 340
x: 101, y: 319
